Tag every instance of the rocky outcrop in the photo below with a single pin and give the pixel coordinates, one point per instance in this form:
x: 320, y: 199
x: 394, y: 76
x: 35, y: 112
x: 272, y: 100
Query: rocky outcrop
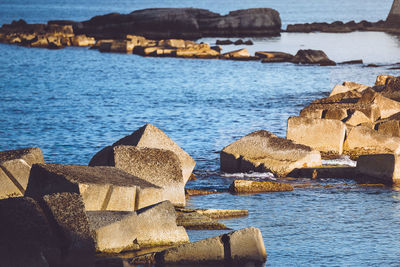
x: 157, y: 166
x: 337, y: 27
x: 393, y: 19
x: 241, y: 54
x: 310, y: 56
x: 147, y: 136
x: 270, y: 57
x: 246, y: 186
x: 152, y: 226
x: 15, y: 167
x: 262, y: 151
x: 186, y: 23
x: 102, y: 188
x: 384, y: 168
x: 241, y: 248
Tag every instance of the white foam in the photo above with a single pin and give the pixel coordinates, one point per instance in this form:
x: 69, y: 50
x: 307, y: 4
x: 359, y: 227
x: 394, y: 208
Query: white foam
x: 263, y: 175
x: 342, y: 161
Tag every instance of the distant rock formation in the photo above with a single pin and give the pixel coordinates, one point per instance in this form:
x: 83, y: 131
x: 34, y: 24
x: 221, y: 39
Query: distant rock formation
x: 186, y: 23
x: 393, y: 18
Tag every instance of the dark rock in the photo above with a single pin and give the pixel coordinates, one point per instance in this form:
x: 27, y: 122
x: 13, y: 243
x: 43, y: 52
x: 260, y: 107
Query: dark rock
x: 224, y: 42
x: 238, y: 42
x: 310, y: 56
x: 186, y: 23
x: 352, y: 62
x: 216, y: 48
x: 248, y: 42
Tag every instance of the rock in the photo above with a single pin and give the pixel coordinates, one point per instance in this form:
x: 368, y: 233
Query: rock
x: 352, y: 62
x: 82, y: 40
x: 117, y: 46
x: 102, y: 188
x: 117, y: 231
x: 198, y: 51
x: 216, y: 48
x: 393, y: 19
x: 198, y: 192
x: 381, y: 79
x: 185, y: 23
x: 237, y: 54
x: 263, y: 151
x: 192, y: 219
x: 390, y: 127
x: 310, y: 56
x: 348, y: 86
x: 238, y: 247
x: 26, y: 236
x: 238, y: 42
x: 172, y: 43
x: 321, y: 134
x: 381, y: 167
x: 68, y: 213
x: 248, y: 42
x: 223, y: 42
x: 357, y: 118
x: 387, y: 106
x: 325, y: 172
x: 274, y: 57
x: 15, y: 167
x: 157, y: 166
x: 152, y: 137
x: 222, y: 213
x: 245, y: 186
x: 336, y: 114
x: 362, y: 140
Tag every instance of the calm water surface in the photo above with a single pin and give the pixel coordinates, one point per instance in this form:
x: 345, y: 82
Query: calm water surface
x: 73, y: 102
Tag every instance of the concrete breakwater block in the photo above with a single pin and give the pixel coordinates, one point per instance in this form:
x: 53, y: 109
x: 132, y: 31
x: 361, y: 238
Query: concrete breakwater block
x: 158, y: 166
x: 117, y: 231
x: 246, y: 186
x: 102, y: 188
x: 262, y: 151
x: 151, y: 137
x: 321, y: 134
x: 15, y: 166
x: 382, y: 167
x: 236, y: 248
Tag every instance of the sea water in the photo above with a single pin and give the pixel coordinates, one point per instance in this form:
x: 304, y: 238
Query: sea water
x: 73, y: 102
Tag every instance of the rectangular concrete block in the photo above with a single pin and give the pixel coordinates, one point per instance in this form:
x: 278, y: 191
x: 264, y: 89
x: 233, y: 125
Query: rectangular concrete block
x: 382, y: 167
x: 247, y: 245
x: 321, y: 134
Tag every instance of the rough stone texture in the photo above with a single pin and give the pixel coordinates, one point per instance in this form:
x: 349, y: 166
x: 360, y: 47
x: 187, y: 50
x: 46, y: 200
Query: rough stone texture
x: 348, y: 86
x: 240, y: 247
x: 387, y: 106
x: 357, y: 118
x: 158, y: 166
x: 246, y: 186
x: 186, y: 23
x: 102, y: 188
x: 155, y: 225
x: 247, y: 245
x: 26, y: 235
x: 336, y: 114
x: 324, y: 172
x: 216, y: 213
x: 381, y: 79
x: 362, y: 140
x: 268, y: 57
x: 210, y: 250
x: 152, y: 137
x: 263, y: 151
x: 68, y: 212
x: 82, y: 40
x: 321, y: 134
x: 237, y: 54
x: 15, y: 166
x: 393, y: 18
x: 382, y: 167
x: 195, y: 220
x: 391, y: 128
x: 310, y: 56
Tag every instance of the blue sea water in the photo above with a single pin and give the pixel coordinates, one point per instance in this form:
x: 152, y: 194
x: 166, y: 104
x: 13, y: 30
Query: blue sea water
x: 75, y: 101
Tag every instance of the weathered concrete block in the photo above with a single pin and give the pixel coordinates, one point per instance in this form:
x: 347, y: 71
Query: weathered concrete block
x: 263, y: 151
x: 387, y: 106
x: 382, y: 167
x: 247, y: 245
x: 68, y: 212
x: 357, y: 118
x: 26, y: 236
x: 102, y: 188
x: 152, y: 137
x: 321, y: 134
x: 82, y: 40
x: 391, y: 128
x: 15, y: 166
x: 336, y: 114
x: 246, y: 186
x: 116, y: 231
x: 237, y: 54
x: 157, y: 166
x: 381, y: 79
x: 348, y: 86
x: 362, y: 140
